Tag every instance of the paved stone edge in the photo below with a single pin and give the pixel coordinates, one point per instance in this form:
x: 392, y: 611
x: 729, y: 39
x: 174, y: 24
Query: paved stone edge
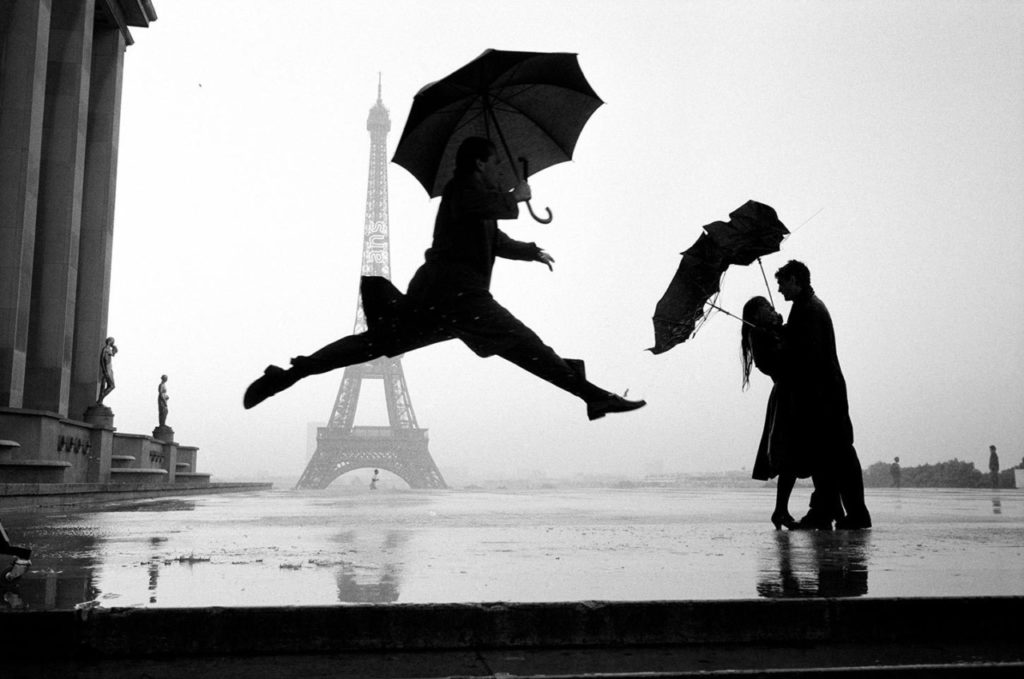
x: 27, y: 497
x: 181, y: 632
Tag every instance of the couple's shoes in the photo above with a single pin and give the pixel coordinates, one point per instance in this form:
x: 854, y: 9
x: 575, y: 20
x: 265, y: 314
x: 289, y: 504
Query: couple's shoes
x: 273, y: 380
x: 854, y: 522
x: 612, y: 404
x: 814, y: 521
x: 780, y: 519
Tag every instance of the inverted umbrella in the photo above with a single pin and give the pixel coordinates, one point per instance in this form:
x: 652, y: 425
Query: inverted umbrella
x: 532, y: 105
x: 753, y: 230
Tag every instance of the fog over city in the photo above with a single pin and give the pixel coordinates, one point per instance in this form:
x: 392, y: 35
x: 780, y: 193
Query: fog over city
x: 888, y: 135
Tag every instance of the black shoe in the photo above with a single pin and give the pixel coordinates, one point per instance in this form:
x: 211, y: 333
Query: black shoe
x: 274, y: 379
x: 854, y: 522
x: 780, y: 519
x: 611, y: 404
x: 813, y: 521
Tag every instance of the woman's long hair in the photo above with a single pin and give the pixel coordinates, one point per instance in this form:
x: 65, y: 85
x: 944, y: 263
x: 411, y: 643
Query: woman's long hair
x: 750, y: 313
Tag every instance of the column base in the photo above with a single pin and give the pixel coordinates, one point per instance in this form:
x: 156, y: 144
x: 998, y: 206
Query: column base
x: 99, y: 415
x: 164, y: 433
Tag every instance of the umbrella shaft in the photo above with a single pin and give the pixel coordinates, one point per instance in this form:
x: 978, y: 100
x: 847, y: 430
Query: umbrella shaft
x: 501, y: 137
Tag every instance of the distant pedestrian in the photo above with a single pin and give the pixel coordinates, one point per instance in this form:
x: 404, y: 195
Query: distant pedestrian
x: 895, y: 469
x: 993, y: 466
x: 373, y: 481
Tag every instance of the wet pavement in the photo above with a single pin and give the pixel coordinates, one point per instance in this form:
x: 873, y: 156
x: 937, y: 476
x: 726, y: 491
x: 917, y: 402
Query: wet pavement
x: 311, y: 548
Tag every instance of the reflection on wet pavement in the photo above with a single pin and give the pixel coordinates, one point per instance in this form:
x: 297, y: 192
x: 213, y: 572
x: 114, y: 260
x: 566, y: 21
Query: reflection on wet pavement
x: 344, y: 546
x: 162, y: 505
x: 816, y: 563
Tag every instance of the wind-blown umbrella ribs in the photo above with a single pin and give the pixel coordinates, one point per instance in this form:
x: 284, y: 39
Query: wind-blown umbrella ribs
x: 753, y: 230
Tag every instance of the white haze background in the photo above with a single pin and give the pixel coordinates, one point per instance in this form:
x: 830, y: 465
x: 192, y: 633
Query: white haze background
x: 896, y: 127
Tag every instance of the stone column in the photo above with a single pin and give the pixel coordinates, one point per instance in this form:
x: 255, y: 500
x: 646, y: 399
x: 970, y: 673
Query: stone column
x: 58, y: 224
x: 94, y: 253
x: 24, y: 43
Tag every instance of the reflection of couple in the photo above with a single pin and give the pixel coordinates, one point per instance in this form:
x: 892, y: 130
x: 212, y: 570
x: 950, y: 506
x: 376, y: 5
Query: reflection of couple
x: 815, y: 564
x: 807, y: 429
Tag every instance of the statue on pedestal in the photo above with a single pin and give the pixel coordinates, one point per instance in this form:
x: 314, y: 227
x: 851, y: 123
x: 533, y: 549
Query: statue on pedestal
x: 161, y: 400
x: 107, y: 354
x: 162, y: 431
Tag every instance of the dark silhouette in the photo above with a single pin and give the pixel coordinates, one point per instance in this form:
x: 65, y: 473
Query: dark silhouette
x: 161, y: 401
x: 21, y: 555
x: 761, y: 346
x: 373, y: 481
x: 810, y: 366
x: 449, y: 296
x: 753, y: 230
x: 895, y: 470
x: 107, y: 354
x: 993, y: 466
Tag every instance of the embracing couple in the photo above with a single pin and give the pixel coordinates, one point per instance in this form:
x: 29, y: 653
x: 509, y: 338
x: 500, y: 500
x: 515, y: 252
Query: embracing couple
x: 807, y: 431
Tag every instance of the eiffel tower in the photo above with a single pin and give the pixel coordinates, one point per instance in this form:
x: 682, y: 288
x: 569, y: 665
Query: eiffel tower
x: 401, y: 447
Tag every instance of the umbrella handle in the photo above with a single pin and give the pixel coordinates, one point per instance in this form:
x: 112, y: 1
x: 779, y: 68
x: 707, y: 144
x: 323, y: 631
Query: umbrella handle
x: 533, y: 214
x: 526, y: 173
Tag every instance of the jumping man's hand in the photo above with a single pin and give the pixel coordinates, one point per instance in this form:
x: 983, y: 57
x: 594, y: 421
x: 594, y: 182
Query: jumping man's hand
x: 522, y: 192
x: 544, y: 258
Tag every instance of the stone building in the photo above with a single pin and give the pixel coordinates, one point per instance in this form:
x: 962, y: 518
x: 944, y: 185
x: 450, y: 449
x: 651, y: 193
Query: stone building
x: 61, y: 65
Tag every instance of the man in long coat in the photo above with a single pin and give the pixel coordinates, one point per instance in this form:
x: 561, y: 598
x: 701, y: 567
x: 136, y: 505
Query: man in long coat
x: 821, y: 413
x: 449, y: 296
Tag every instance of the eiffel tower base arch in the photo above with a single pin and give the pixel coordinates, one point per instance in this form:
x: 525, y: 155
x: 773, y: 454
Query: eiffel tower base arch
x: 402, y: 452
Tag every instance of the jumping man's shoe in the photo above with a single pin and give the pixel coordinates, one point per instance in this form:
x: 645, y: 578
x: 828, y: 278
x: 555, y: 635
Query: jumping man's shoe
x: 274, y: 379
x: 612, y: 404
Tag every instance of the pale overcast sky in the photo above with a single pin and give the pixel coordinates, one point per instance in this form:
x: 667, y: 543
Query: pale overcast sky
x: 898, y: 126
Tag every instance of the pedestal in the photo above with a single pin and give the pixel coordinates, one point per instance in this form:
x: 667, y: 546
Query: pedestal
x: 99, y: 415
x: 164, y: 433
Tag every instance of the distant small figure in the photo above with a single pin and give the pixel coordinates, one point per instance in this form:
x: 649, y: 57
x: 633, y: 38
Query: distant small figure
x: 993, y: 466
x: 373, y: 481
x: 107, y: 354
x: 161, y: 400
x: 895, y: 469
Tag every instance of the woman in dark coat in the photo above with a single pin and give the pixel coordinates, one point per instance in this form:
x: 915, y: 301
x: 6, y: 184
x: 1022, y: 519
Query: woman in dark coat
x: 761, y: 346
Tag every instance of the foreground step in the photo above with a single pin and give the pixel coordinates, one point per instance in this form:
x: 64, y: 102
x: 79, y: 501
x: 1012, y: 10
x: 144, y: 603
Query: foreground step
x: 933, y: 637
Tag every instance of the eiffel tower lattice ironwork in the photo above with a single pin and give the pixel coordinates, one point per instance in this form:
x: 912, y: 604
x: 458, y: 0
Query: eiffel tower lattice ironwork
x: 401, y: 447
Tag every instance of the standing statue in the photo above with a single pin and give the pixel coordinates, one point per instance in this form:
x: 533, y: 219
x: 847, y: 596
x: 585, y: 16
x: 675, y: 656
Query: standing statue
x: 161, y: 400
x: 107, y: 354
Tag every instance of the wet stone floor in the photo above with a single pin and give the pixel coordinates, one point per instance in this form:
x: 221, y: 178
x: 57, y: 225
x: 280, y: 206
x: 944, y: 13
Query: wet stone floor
x: 338, y: 546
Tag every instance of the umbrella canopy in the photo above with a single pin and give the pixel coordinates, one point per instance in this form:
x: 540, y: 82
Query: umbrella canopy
x: 532, y: 105
x: 753, y: 230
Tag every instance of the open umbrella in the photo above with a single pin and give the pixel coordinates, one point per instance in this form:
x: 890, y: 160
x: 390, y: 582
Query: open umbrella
x: 532, y: 105
x: 753, y: 230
